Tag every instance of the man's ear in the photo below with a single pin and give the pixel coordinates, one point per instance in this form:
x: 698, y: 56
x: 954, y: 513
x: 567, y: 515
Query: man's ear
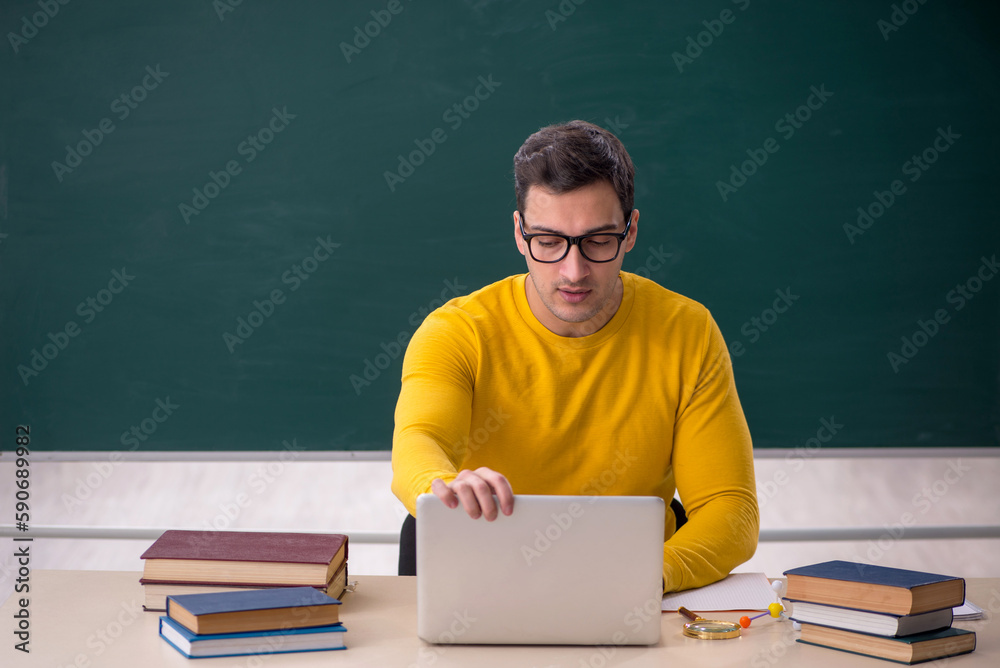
x: 633, y: 231
x: 518, y: 239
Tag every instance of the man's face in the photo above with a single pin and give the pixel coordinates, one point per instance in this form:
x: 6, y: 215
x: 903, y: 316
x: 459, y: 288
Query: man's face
x: 579, y: 296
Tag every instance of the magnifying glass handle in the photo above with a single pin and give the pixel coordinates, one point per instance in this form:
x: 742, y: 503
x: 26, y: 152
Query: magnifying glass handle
x: 690, y: 615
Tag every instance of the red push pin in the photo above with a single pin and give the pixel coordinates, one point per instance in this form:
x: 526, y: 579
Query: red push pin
x: 774, y: 610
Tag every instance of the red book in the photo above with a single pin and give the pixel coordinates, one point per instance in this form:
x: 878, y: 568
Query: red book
x: 245, y: 558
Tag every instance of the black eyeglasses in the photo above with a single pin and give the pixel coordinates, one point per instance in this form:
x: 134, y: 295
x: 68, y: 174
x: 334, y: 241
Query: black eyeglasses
x: 550, y: 248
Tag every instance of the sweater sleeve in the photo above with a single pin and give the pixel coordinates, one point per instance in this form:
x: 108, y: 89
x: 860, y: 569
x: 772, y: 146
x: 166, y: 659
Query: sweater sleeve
x: 713, y: 468
x: 433, y: 411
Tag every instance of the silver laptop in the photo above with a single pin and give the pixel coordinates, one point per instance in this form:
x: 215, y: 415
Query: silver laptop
x: 560, y: 570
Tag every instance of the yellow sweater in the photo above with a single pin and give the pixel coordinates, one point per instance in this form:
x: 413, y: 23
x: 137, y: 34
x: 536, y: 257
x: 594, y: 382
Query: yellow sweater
x: 644, y: 406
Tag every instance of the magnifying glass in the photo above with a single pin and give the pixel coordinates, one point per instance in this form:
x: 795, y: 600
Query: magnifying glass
x: 708, y: 629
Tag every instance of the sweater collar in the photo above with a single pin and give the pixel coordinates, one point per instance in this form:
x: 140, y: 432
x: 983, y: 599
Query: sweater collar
x: 609, y: 329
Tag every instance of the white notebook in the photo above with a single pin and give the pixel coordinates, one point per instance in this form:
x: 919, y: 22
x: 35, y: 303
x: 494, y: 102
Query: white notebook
x: 737, y: 591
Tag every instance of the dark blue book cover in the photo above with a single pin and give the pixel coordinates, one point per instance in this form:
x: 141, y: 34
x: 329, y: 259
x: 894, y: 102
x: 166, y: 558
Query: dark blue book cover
x: 252, y: 599
x: 866, y: 573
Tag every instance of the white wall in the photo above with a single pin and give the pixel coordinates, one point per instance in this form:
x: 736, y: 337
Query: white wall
x: 343, y: 497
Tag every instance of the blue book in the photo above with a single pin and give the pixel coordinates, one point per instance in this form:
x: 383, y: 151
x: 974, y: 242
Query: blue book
x: 198, y: 646
x: 253, y: 610
x: 896, y: 591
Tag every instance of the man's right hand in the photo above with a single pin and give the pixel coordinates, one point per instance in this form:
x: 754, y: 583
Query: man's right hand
x: 475, y: 490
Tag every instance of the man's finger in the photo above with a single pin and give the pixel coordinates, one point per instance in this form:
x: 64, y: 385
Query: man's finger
x: 468, y: 497
x: 484, y: 496
x: 501, y: 487
x: 482, y: 490
x: 443, y: 492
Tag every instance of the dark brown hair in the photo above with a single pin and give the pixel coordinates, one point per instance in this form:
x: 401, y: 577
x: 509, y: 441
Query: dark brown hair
x: 562, y: 158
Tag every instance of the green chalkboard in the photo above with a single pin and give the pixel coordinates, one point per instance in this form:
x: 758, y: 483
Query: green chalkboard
x: 221, y: 221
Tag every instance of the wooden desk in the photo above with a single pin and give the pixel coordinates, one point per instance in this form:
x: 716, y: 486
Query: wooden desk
x: 95, y: 618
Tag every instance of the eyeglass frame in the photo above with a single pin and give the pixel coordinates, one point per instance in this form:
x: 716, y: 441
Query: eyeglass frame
x: 574, y: 241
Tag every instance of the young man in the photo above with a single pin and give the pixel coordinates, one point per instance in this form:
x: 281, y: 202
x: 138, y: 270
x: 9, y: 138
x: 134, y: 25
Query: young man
x: 578, y: 378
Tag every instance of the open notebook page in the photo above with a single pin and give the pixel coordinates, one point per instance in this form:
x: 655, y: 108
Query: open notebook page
x: 738, y: 591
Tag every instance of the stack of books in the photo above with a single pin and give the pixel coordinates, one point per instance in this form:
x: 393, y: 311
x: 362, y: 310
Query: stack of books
x: 195, y: 562
x: 263, y: 621
x: 887, y: 613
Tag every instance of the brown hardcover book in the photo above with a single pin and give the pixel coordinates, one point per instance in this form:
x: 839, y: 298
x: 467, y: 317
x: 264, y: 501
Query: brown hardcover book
x: 279, y: 608
x: 155, y: 592
x: 245, y: 558
x: 905, y: 649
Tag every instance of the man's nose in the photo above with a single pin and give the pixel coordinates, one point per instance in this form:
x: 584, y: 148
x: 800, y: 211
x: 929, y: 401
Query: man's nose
x: 574, y: 267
